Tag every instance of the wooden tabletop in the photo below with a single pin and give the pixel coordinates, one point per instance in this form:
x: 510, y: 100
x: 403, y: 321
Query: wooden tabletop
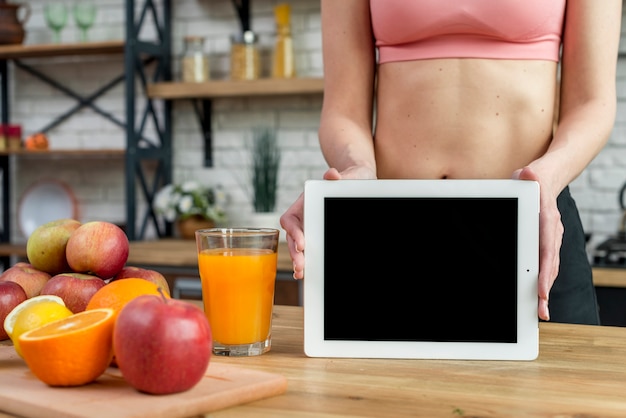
x: 580, y: 372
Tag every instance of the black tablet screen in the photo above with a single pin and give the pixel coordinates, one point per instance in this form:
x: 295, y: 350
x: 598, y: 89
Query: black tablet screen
x: 421, y: 269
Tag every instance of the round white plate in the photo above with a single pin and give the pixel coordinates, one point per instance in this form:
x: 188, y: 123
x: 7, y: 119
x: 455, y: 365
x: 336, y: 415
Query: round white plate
x: 45, y: 201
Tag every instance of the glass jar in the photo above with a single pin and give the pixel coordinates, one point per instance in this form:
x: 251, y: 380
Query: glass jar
x: 245, y: 62
x: 13, y: 136
x: 195, y: 61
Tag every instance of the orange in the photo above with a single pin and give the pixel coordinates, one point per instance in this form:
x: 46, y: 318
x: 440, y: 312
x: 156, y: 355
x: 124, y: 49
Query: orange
x: 71, y: 351
x: 118, y: 293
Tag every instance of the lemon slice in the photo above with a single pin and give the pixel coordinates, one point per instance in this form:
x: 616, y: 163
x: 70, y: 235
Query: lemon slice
x: 33, y: 313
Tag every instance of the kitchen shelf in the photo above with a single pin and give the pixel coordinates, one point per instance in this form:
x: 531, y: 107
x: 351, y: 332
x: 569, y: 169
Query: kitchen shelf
x: 238, y: 88
x: 57, y: 50
x: 78, y: 153
x: 202, y: 95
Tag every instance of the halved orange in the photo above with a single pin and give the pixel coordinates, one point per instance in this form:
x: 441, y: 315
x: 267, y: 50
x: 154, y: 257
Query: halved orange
x: 71, y: 351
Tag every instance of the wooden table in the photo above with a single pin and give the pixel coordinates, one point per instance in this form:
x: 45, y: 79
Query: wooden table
x: 580, y: 372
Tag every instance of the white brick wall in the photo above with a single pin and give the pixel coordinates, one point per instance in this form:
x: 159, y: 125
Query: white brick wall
x: 99, y: 183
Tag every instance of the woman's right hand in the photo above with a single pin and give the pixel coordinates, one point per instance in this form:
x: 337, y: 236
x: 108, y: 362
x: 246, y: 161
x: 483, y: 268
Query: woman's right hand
x: 292, y: 221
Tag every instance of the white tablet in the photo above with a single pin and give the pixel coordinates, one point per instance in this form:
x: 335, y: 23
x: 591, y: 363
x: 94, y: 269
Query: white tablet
x: 421, y: 269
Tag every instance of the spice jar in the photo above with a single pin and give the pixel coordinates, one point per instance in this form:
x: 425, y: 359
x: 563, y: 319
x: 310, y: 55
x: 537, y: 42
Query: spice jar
x: 195, y: 61
x: 245, y: 62
x: 13, y: 135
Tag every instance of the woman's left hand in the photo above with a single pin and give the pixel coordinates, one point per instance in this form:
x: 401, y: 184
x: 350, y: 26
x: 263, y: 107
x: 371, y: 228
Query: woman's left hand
x: 550, y: 239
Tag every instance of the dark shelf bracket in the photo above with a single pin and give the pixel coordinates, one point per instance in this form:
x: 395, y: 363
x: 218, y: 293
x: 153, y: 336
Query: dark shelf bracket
x: 243, y: 12
x: 203, y: 110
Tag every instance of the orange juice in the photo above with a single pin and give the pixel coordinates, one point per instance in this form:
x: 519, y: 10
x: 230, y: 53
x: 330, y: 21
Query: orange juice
x: 238, y: 293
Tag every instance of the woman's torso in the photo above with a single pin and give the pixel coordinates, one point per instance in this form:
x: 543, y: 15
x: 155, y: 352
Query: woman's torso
x: 470, y: 117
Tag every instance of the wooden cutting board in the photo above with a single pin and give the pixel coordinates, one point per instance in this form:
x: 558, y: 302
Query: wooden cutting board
x: 21, y: 393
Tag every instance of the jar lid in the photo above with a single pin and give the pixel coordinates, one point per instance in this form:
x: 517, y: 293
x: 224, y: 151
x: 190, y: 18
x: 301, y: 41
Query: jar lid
x: 13, y: 130
x: 248, y: 37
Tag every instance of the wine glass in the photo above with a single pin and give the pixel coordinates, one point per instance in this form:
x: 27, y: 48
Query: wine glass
x: 84, y: 16
x: 56, y: 18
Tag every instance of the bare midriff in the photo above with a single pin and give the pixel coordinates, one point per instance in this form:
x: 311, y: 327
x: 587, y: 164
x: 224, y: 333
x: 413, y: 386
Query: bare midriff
x: 462, y: 118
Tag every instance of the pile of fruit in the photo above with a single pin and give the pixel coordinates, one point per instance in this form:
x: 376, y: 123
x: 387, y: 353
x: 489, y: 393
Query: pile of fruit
x: 76, y: 308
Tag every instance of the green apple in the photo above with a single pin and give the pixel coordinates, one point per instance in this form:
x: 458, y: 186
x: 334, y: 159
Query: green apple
x: 45, y: 247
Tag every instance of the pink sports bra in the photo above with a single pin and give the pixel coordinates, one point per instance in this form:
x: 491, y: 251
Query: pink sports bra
x: 505, y: 29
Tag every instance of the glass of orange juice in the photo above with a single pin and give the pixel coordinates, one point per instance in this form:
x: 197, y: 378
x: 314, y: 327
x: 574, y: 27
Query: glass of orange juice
x: 238, y: 273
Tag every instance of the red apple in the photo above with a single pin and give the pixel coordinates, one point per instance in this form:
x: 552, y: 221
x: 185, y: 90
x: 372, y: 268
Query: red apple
x: 99, y: 248
x: 45, y: 247
x: 76, y: 289
x: 142, y: 273
x: 11, y: 295
x: 31, y: 279
x: 162, y: 345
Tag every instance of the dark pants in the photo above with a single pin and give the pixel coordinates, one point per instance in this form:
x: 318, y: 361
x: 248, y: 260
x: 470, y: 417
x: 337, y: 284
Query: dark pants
x: 573, y: 296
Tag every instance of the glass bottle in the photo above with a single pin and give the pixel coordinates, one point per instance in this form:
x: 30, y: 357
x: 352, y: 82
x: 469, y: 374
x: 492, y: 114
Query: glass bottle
x: 195, y: 61
x: 245, y: 62
x: 284, y: 61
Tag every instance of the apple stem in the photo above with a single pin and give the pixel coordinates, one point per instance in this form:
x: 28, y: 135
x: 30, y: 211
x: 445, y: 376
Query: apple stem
x: 160, y: 289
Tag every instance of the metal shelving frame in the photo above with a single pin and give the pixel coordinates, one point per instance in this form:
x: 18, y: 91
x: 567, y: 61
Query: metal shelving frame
x: 147, y: 61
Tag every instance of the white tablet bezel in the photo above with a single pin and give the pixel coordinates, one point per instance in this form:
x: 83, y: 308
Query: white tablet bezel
x: 527, y: 195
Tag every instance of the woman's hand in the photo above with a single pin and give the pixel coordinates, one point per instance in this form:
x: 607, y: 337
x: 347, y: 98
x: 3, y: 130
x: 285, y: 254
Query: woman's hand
x: 550, y: 239
x: 292, y: 221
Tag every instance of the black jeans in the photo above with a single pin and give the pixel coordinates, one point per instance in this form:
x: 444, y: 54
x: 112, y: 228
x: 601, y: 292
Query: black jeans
x: 573, y: 296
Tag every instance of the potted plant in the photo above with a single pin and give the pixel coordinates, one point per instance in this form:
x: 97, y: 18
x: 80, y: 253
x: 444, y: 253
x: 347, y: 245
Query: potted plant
x: 265, y: 168
x: 191, y: 205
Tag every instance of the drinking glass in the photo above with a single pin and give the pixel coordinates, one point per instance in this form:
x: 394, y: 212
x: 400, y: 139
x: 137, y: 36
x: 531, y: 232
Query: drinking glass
x: 56, y: 18
x: 84, y: 16
x: 238, y: 274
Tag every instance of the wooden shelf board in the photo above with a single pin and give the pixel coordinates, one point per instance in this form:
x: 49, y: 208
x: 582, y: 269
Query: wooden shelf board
x: 230, y: 88
x: 56, y: 50
x: 67, y: 153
